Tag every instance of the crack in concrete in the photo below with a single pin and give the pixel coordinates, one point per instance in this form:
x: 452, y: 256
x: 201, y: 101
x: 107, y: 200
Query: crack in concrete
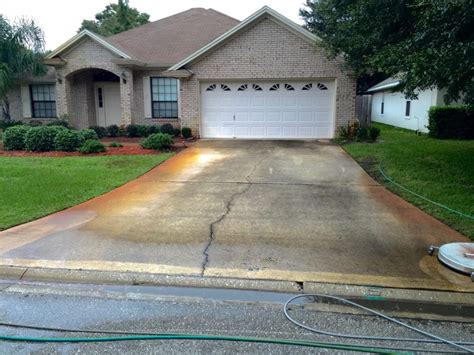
x: 228, y: 207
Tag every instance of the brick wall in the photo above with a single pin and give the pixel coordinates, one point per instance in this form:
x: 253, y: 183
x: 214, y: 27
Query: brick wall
x: 267, y: 51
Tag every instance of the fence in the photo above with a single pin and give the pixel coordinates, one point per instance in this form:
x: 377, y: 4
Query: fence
x: 363, y: 109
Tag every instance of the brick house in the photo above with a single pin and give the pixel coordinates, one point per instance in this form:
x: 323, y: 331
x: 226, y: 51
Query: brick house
x: 264, y: 77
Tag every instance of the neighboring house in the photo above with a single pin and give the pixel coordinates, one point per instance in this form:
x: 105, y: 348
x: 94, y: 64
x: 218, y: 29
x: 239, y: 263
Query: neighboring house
x: 263, y: 77
x: 391, y: 107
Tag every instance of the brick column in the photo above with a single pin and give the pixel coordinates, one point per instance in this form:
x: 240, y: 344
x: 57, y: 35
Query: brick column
x: 126, y: 96
x: 61, y: 95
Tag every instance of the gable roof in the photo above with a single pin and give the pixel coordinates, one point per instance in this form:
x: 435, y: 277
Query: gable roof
x: 169, y: 40
x: 84, y: 34
x: 264, y: 12
x: 388, y: 83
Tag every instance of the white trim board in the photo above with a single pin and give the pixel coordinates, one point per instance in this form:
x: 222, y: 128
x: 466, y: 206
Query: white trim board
x: 91, y: 35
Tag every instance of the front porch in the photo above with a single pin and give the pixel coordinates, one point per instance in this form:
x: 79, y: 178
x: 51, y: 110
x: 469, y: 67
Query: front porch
x: 95, y: 97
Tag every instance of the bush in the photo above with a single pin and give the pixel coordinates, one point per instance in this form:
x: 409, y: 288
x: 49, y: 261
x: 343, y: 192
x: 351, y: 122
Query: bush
x: 142, y: 130
x: 177, y: 132
x: 362, y: 134
x: 92, y: 146
x: 374, y: 133
x: 100, y: 131
x: 451, y: 122
x: 122, y: 132
x: 186, y: 132
x: 153, y: 129
x: 41, y: 138
x: 14, y: 137
x: 132, y: 130
x: 62, y: 123
x: 158, y: 141
x: 10, y: 123
x: 113, y: 130
x: 115, y: 145
x: 67, y: 141
x: 88, y: 134
x: 167, y: 128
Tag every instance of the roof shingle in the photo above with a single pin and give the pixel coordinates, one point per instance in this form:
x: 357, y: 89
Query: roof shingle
x: 171, y: 39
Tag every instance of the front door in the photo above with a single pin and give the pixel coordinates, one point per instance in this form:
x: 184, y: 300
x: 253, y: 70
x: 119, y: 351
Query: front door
x: 107, y: 103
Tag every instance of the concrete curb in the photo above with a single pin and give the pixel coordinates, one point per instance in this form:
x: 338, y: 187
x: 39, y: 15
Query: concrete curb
x: 411, y: 298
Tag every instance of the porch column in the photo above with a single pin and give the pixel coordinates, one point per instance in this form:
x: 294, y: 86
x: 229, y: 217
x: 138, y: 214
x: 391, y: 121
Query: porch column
x: 126, y: 96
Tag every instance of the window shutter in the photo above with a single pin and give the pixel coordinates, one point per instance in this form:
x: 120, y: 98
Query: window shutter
x: 26, y: 101
x: 147, y: 97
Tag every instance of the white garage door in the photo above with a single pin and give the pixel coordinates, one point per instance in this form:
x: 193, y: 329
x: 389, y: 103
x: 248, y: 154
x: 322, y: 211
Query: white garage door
x: 270, y: 110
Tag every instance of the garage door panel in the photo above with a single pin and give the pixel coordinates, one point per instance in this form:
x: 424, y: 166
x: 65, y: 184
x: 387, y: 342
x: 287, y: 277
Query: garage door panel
x: 255, y: 111
x: 257, y: 116
x: 272, y: 116
x: 289, y: 116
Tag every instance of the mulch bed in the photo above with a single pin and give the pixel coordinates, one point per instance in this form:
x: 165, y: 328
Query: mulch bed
x: 130, y: 147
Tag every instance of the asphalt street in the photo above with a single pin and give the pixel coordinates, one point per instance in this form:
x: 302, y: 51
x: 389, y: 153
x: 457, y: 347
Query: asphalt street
x: 191, y: 311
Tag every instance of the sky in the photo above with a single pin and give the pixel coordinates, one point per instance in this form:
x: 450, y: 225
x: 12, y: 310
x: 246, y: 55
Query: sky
x: 60, y: 19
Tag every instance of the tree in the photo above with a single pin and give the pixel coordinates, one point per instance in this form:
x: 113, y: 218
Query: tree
x: 425, y: 43
x: 115, y: 18
x: 21, y: 48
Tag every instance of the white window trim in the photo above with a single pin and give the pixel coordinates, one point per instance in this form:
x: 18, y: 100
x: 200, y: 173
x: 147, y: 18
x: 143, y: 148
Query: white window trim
x: 177, y: 99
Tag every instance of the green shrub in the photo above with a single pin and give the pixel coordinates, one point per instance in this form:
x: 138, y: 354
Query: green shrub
x: 92, y: 146
x: 362, y: 134
x: 10, y: 123
x: 88, y: 134
x: 158, y: 141
x: 67, y: 141
x: 34, y: 123
x: 62, y: 123
x: 374, y: 133
x: 153, y: 129
x: 100, y: 131
x: 186, y: 132
x: 177, y: 132
x: 142, y: 130
x: 14, y: 137
x: 113, y: 130
x: 41, y: 138
x: 167, y: 128
x: 132, y: 130
x: 451, y: 122
x: 122, y: 132
x: 115, y: 145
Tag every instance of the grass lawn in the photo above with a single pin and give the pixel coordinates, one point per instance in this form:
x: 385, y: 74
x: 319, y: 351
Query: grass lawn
x: 34, y: 187
x: 441, y: 170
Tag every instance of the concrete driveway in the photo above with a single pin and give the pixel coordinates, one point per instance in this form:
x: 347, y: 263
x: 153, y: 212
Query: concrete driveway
x: 277, y: 210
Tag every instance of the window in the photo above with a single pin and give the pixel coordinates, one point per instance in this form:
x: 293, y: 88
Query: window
x: 100, y: 97
x: 322, y: 86
x: 307, y: 87
x: 407, y: 109
x: 211, y: 87
x: 275, y: 87
x: 242, y: 87
x: 256, y: 87
x: 381, y: 107
x: 225, y: 87
x: 289, y: 87
x: 43, y: 100
x: 164, y: 93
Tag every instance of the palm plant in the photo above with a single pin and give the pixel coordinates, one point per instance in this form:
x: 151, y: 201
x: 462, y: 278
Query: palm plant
x: 21, y: 54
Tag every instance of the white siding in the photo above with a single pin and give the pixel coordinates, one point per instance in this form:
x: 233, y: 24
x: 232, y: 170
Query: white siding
x: 394, y: 109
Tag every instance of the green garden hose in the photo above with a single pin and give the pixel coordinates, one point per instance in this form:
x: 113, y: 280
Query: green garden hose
x: 386, y: 177
x: 306, y: 343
